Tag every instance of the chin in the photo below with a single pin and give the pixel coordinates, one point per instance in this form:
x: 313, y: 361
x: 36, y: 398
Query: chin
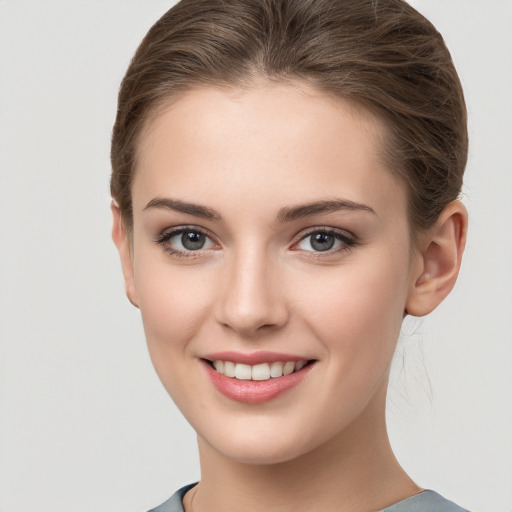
x: 259, y: 446
x: 262, y: 454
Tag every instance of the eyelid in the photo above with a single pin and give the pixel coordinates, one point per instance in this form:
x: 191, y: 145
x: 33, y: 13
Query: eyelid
x: 348, y: 239
x: 167, y: 234
x: 325, y: 229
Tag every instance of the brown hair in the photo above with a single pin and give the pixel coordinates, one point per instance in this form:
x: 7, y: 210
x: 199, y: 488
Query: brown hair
x: 383, y: 55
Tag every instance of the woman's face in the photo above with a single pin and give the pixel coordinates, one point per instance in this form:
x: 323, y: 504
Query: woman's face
x: 267, y: 231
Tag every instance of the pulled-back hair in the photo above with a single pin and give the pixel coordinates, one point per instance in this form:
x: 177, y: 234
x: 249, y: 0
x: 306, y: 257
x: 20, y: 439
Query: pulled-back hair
x: 380, y: 54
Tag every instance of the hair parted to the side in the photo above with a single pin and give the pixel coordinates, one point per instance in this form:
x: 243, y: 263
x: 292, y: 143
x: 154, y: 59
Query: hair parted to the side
x: 383, y: 55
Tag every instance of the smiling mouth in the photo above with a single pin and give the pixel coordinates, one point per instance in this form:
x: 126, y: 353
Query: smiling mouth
x: 258, y: 372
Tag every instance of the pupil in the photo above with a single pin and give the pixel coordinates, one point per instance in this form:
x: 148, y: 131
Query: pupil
x: 192, y: 240
x: 322, y: 242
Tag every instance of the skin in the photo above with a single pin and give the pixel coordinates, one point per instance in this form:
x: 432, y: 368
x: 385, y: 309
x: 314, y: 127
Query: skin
x: 258, y: 284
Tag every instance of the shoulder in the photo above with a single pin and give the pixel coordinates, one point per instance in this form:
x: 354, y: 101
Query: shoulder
x: 174, y: 503
x: 426, y: 501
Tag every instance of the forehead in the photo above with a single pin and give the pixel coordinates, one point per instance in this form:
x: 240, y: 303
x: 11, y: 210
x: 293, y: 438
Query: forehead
x: 261, y: 140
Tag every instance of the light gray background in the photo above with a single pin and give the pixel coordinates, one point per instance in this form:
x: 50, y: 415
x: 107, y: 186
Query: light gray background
x: 84, y: 423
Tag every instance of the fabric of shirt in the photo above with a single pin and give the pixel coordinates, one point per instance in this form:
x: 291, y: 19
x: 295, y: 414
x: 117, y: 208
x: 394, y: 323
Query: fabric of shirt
x: 426, y: 501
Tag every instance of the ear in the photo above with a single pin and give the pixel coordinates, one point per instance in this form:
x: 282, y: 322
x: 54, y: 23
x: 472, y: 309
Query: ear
x: 122, y: 241
x: 439, y: 257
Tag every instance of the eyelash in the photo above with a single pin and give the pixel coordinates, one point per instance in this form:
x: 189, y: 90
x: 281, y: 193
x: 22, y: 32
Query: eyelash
x: 164, y: 237
x: 162, y: 240
x: 347, y: 241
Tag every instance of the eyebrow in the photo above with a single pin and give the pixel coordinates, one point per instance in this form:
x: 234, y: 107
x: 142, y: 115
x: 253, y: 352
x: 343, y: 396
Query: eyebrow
x: 176, y: 205
x: 286, y: 214
x: 292, y: 213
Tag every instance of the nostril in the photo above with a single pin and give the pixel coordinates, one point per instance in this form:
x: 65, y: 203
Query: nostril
x: 251, y: 302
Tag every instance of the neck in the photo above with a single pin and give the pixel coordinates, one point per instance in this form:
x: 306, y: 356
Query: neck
x: 356, y: 471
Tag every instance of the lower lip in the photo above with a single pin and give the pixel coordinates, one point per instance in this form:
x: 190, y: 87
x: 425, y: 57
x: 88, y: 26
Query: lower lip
x: 255, y: 391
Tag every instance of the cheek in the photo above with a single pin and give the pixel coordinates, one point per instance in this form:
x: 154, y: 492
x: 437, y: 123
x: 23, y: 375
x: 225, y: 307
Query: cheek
x: 173, y: 302
x: 357, y: 309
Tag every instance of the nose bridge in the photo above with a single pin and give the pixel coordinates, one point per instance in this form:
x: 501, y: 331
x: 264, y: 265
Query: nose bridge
x: 252, y: 296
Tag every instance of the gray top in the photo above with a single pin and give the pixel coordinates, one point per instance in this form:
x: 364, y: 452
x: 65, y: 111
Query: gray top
x: 426, y: 501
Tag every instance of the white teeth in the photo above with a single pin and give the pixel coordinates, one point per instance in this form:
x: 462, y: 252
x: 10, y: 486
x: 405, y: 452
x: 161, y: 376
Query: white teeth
x: 299, y: 365
x: 276, y: 369
x: 243, y: 371
x: 288, y: 368
x: 263, y: 371
x: 229, y: 369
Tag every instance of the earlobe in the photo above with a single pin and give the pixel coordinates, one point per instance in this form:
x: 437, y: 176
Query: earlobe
x: 439, y: 259
x: 122, y: 242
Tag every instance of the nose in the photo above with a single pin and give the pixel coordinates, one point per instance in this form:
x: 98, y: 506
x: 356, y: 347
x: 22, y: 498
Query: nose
x: 252, y: 301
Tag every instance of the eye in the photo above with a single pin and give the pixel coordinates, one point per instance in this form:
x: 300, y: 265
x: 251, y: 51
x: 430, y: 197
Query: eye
x: 185, y: 240
x: 324, y: 240
x: 189, y: 240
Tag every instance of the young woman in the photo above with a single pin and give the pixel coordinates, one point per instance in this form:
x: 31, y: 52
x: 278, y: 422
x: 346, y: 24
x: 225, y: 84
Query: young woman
x: 285, y: 182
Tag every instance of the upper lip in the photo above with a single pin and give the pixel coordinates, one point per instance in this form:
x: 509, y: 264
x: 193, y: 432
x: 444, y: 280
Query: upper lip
x: 253, y: 358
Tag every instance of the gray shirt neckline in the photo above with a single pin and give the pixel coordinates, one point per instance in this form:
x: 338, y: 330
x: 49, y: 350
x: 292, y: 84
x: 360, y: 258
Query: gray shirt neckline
x: 426, y: 501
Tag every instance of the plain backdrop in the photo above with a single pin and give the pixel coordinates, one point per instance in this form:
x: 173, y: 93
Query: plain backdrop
x: 84, y: 423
